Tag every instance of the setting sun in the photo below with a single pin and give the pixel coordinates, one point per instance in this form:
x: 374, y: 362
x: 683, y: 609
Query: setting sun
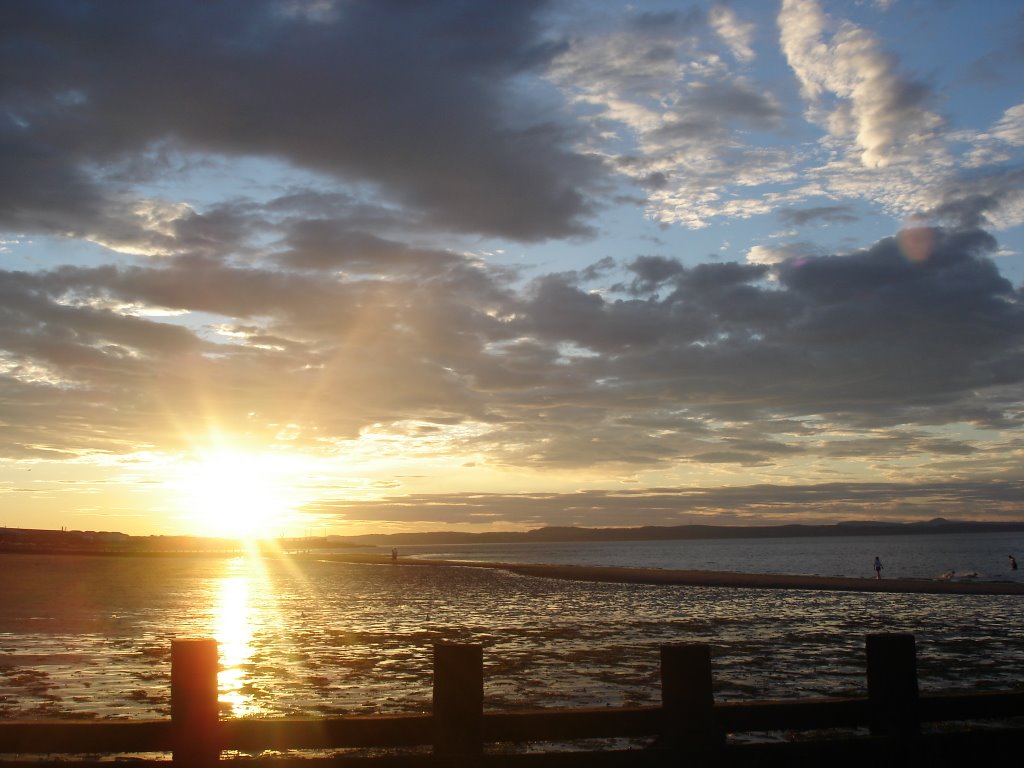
x: 237, y: 495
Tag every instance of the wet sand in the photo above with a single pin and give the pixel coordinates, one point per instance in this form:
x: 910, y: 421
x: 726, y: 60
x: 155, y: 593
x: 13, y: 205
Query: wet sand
x: 704, y: 578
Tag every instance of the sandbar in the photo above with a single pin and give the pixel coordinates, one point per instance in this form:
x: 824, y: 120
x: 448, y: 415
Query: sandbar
x: 655, y: 576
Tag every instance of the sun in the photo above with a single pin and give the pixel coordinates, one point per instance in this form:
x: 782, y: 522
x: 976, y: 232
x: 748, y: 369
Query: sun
x: 237, y: 495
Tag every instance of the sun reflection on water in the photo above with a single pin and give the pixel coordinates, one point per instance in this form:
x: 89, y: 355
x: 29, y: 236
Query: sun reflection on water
x: 237, y: 616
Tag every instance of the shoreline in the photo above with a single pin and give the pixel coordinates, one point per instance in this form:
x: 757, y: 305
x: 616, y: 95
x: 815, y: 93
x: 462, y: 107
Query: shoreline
x: 658, y: 576
x: 607, y: 574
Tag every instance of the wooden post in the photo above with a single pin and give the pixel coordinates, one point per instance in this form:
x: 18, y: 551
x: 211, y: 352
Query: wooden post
x: 458, y: 703
x: 194, y: 709
x: 687, y: 698
x: 892, y: 685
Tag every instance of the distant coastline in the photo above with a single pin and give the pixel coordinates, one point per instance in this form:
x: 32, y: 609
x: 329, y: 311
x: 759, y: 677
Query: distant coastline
x: 691, y: 532
x: 44, y: 541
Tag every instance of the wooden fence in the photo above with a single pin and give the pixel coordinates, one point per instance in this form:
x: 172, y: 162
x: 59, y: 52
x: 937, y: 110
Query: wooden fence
x: 688, y: 728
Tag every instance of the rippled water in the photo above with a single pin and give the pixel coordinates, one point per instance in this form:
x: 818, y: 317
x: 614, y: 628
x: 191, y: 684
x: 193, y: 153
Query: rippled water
x: 90, y: 636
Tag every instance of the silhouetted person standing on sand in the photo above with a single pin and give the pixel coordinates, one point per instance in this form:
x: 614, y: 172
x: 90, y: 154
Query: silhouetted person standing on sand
x: 1013, y: 563
x: 878, y: 568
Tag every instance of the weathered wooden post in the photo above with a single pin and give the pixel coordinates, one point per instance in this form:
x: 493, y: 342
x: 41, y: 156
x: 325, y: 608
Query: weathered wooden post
x: 194, y: 710
x: 892, y: 685
x: 687, y: 699
x: 458, y: 703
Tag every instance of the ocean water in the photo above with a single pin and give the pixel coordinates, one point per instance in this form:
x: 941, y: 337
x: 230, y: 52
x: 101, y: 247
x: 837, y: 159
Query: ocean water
x: 983, y: 556
x: 90, y: 636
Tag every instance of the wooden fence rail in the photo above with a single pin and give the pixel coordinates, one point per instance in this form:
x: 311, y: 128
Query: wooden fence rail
x: 688, y: 725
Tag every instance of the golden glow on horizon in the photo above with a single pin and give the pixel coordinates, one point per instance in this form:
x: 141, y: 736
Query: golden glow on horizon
x: 238, y: 495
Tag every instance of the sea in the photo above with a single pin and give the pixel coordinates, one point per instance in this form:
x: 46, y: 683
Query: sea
x: 89, y: 636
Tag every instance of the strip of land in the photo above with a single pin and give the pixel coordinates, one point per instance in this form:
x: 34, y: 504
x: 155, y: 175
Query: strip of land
x: 704, y: 578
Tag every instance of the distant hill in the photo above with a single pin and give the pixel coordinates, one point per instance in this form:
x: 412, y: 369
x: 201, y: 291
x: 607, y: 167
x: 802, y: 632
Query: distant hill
x: 667, y: 533
x: 41, y: 540
x: 112, y: 542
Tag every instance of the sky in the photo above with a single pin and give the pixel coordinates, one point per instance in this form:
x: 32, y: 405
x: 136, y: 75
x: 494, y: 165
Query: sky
x: 337, y: 267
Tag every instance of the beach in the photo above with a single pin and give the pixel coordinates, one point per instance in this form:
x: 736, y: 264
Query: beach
x: 693, y: 578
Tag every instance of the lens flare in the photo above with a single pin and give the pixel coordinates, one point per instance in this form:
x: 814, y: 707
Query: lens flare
x: 916, y: 241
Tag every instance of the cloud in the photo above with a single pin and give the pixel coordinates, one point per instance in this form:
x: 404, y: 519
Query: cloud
x: 762, y: 504
x: 663, y: 82
x: 908, y: 331
x: 325, y: 244
x: 884, y: 112
x: 777, y: 254
x: 672, y: 103
x: 886, y: 142
x: 652, y: 271
x: 1010, y: 128
x: 417, y: 101
x: 829, y: 214
x: 734, y: 32
x: 837, y: 337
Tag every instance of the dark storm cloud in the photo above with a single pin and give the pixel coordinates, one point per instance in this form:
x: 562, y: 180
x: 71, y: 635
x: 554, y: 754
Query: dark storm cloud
x: 871, y: 340
x: 416, y: 99
x: 968, y: 212
x: 40, y: 190
x: 560, y: 311
x: 652, y: 271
